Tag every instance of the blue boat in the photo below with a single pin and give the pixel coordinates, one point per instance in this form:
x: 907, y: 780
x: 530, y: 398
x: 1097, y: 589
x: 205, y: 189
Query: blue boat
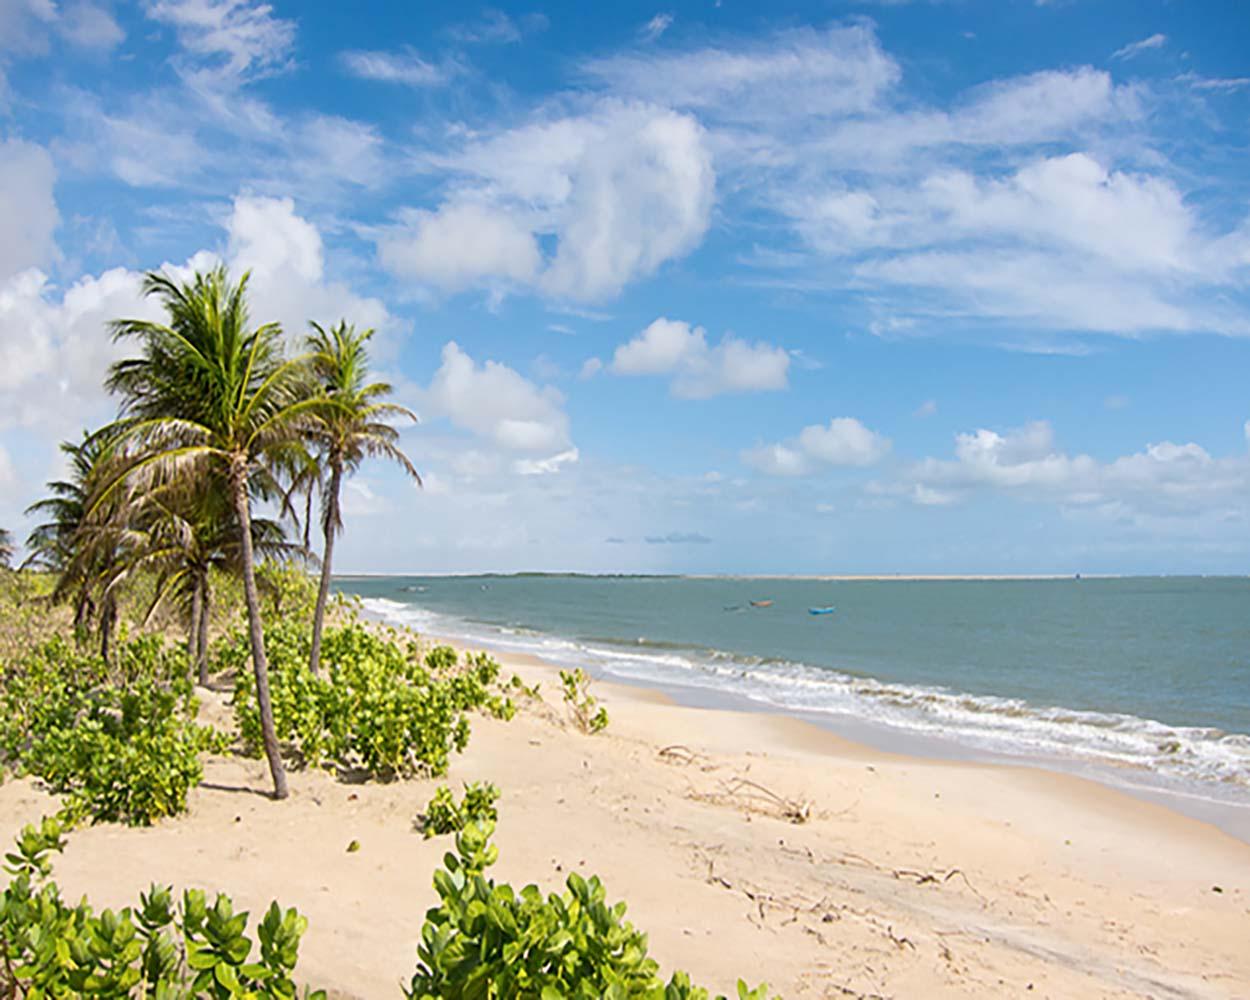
x: 821, y: 611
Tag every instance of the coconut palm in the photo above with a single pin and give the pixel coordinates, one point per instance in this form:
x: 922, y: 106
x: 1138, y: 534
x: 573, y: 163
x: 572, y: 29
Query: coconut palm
x: 211, y: 396
x: 55, y: 544
x: 188, y: 531
x: 353, y: 428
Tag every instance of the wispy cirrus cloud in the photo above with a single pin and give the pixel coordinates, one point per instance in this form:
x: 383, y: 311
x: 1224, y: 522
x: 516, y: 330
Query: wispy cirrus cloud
x: 1155, y: 41
x: 404, y: 66
x: 654, y: 28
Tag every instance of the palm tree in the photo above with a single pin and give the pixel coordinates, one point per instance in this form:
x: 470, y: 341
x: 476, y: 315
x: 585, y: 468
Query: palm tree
x: 210, y: 396
x: 56, y: 544
x: 188, y: 531
x: 6, y: 548
x: 354, y: 427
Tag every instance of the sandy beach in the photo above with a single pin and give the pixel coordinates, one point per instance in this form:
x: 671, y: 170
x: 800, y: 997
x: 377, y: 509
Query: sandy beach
x: 909, y: 878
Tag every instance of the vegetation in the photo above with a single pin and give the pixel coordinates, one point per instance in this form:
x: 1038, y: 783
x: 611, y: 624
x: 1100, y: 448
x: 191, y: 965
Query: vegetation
x: 584, y: 709
x: 486, y: 940
x: 154, y: 526
x: 444, y: 814
x: 49, y: 948
x: 344, y: 434
x: 379, y: 707
x: 118, y: 742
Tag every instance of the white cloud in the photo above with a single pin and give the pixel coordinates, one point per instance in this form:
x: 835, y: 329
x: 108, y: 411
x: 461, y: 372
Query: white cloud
x: 590, y: 368
x: 28, y: 214
x: 495, y: 27
x: 405, y: 67
x: 1027, y: 463
x: 622, y: 189
x: 843, y: 442
x: 90, y: 26
x: 460, y: 245
x: 673, y: 347
x: 26, y: 26
x: 232, y: 40
x: 654, y: 28
x: 496, y: 403
x: 55, y: 347
x: 1005, y: 247
x: 803, y: 72
x: 545, y: 466
x: 287, y: 258
x: 926, y: 409
x: 1155, y: 41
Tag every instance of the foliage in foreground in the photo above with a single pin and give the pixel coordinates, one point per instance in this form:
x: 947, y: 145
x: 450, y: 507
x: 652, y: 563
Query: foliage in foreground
x: 119, y: 742
x: 157, y: 949
x: 444, y: 814
x: 584, y: 709
x: 487, y: 941
x: 377, y: 706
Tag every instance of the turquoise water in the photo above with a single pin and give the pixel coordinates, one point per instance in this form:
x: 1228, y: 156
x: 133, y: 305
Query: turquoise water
x: 1146, y: 675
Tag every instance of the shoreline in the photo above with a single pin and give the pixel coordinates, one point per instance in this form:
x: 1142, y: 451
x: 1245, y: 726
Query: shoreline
x: 1231, y: 817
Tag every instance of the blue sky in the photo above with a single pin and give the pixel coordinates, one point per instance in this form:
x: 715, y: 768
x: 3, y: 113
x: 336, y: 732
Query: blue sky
x: 709, y: 287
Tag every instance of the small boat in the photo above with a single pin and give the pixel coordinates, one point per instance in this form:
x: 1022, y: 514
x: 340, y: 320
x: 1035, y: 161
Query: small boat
x: 761, y: 604
x: 821, y: 611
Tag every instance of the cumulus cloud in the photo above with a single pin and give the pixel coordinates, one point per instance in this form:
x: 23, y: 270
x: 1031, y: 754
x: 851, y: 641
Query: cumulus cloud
x: 1026, y: 462
x: 54, y: 344
x: 843, y: 442
x: 501, y: 406
x: 1005, y: 247
x: 621, y: 190
x: 28, y: 213
x: 699, y: 370
x: 460, y: 245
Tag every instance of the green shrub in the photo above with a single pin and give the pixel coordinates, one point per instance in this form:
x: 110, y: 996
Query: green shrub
x: 377, y: 705
x: 51, y: 949
x: 444, y: 815
x: 120, y: 743
x: 584, y: 709
x: 487, y: 941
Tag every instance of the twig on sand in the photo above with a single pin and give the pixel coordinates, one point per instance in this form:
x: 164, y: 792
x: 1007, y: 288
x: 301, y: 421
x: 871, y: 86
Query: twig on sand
x: 751, y: 795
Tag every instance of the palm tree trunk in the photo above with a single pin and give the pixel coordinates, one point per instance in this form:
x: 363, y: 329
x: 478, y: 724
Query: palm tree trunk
x: 201, y: 662
x: 193, y: 632
x: 327, y: 556
x: 260, y: 665
x: 108, y: 615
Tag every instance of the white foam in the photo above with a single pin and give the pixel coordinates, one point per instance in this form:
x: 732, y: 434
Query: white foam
x: 999, y: 725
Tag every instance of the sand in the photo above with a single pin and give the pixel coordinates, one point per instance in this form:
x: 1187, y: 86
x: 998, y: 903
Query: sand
x: 910, y: 878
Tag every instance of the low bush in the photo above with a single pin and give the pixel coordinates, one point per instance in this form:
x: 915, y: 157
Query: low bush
x: 444, y: 814
x: 485, y: 940
x: 120, y: 743
x: 157, y: 949
x: 377, y: 705
x: 584, y: 709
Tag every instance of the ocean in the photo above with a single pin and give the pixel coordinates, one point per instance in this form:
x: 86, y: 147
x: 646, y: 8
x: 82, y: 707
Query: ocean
x: 1144, y: 682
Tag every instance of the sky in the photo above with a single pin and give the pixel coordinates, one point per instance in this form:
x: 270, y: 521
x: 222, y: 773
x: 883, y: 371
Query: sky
x: 838, y: 287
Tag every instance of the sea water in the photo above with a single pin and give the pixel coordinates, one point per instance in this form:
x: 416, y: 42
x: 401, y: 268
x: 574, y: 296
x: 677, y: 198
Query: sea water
x: 1145, y: 681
